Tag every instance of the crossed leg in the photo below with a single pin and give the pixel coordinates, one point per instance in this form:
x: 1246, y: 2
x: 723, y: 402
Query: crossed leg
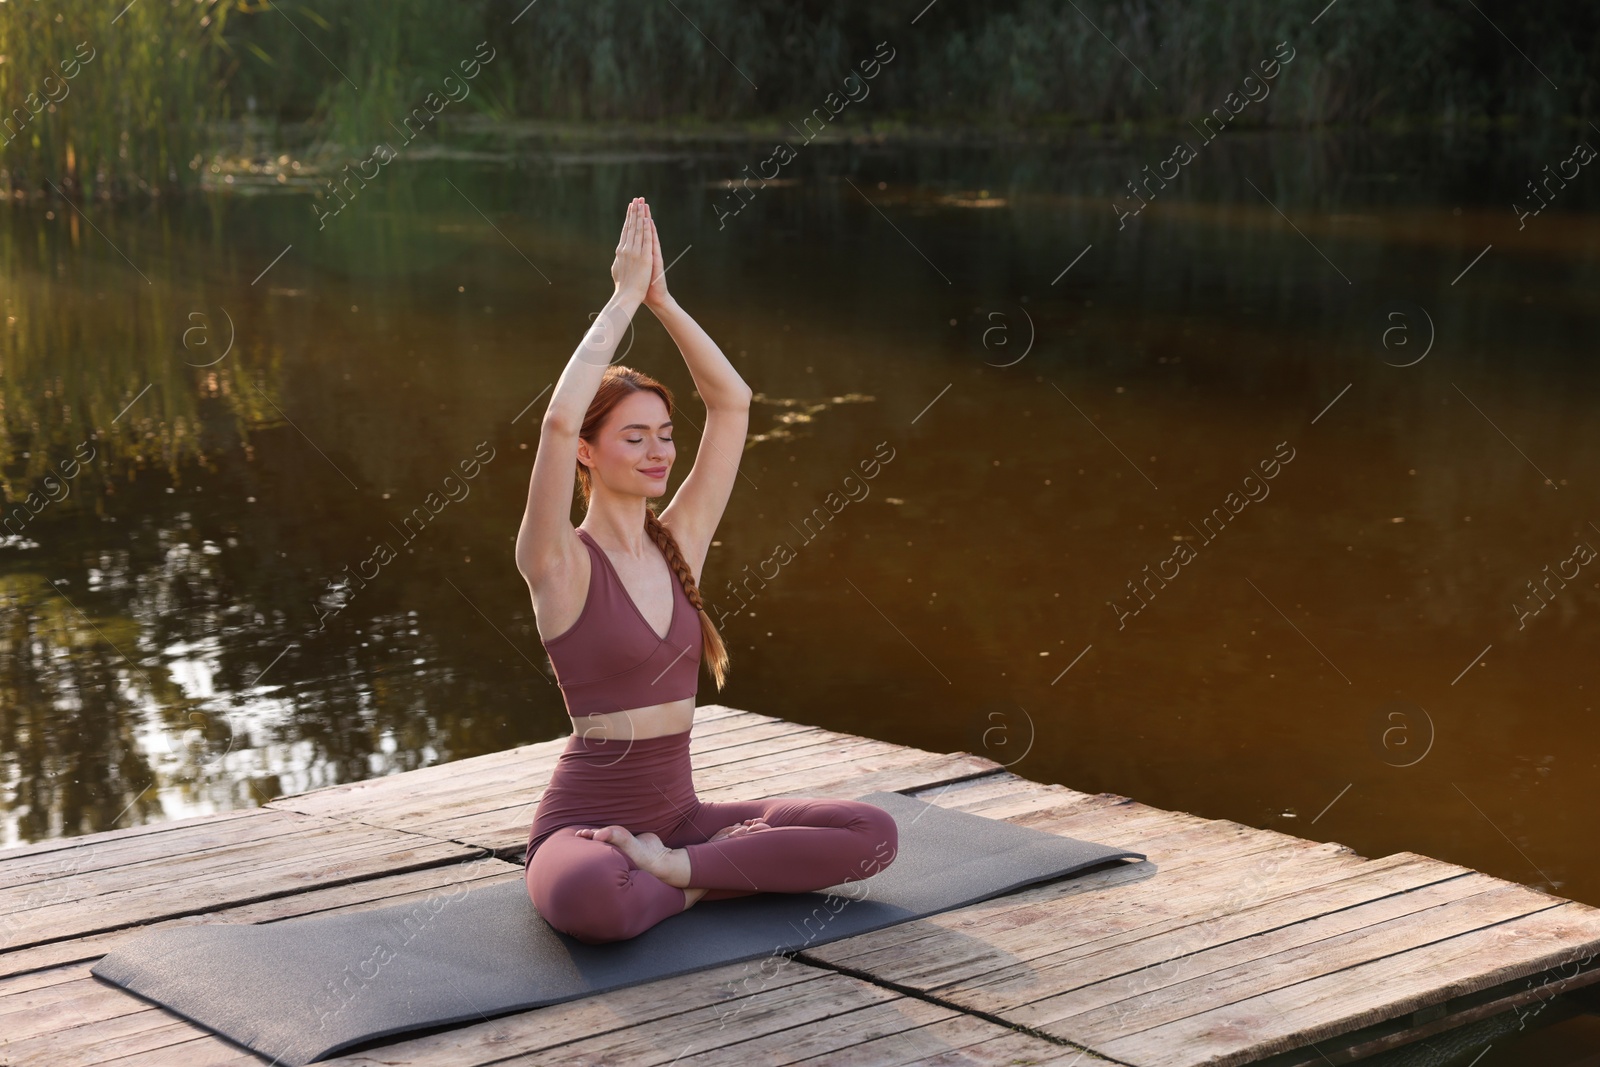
x: 809, y: 843
x: 606, y: 890
x: 591, y: 890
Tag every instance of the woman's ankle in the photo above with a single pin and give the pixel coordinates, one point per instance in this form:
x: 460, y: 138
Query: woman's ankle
x: 676, y: 868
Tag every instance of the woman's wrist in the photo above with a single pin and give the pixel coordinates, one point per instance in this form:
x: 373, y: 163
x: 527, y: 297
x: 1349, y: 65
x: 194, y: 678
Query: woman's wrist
x: 627, y: 299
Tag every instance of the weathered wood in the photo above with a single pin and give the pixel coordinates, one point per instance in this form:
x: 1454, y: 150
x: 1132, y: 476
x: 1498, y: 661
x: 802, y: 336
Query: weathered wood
x: 103, y: 852
x: 388, y: 888
x: 1366, y: 992
x: 433, y: 792
x: 1167, y: 929
x: 802, y: 1015
x: 54, y: 906
x: 56, y: 844
x: 1051, y: 926
x: 1230, y: 944
x: 868, y: 772
x: 963, y: 1040
x: 76, y: 1038
x: 1541, y: 998
x: 1174, y: 987
x: 490, y: 800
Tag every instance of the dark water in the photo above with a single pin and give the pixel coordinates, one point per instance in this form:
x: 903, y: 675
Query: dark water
x: 1347, y: 447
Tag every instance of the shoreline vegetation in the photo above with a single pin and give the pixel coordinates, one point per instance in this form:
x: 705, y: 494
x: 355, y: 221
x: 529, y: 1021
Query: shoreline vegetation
x: 251, y: 153
x: 153, y: 113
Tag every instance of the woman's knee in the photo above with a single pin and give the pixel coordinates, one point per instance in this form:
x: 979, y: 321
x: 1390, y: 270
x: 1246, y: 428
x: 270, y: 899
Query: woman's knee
x: 600, y: 919
x: 580, y: 892
x: 881, y: 834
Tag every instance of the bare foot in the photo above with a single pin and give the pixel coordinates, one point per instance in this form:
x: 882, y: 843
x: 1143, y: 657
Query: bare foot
x: 647, y: 852
x: 692, y: 895
x: 739, y: 829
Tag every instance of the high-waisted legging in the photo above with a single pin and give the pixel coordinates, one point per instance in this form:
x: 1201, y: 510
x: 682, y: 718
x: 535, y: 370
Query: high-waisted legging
x: 593, y: 892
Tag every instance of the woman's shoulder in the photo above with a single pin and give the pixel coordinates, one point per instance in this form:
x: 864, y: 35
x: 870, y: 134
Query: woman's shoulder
x: 561, y: 595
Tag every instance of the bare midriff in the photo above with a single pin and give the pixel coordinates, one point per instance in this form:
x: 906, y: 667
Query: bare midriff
x: 673, y: 717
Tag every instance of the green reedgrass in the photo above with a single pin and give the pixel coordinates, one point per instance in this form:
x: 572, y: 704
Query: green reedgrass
x: 99, y: 104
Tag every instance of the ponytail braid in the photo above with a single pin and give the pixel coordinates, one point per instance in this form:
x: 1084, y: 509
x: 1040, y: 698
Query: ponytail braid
x: 716, y: 654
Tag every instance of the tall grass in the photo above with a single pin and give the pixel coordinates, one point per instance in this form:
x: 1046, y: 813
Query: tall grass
x: 131, y: 117
x: 136, y: 115
x: 1028, y: 61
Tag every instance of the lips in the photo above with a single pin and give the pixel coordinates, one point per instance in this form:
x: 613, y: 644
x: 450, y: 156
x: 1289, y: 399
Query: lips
x: 654, y: 472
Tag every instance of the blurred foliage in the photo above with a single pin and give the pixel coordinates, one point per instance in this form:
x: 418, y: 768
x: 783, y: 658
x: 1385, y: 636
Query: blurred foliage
x: 352, y: 69
x: 102, y: 103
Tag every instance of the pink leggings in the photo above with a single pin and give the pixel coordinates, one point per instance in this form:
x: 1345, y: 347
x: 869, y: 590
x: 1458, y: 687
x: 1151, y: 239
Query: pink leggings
x: 592, y: 891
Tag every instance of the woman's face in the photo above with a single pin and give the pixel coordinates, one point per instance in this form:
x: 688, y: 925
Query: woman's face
x: 633, y: 452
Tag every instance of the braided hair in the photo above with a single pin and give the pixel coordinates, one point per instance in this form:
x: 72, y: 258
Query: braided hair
x: 617, y: 383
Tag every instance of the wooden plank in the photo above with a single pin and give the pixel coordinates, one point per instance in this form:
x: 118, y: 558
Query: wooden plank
x: 1173, y: 986
x: 1229, y: 943
x: 490, y: 800
x: 506, y: 828
x: 506, y: 767
x: 804, y: 1016
x: 1005, y: 941
x: 73, y: 1039
x: 791, y: 1018
x: 84, y: 855
x: 963, y: 1040
x: 1353, y: 997
x: 1003, y: 795
x: 1168, y: 930
x: 500, y: 821
x: 54, y: 844
x: 984, y: 939
x: 725, y: 998
x: 378, y: 891
x: 474, y: 791
x: 320, y: 852
x: 830, y: 758
x: 624, y: 1016
x: 1542, y: 999
x: 124, y: 1030
x: 893, y: 772
x: 497, y: 782
x: 65, y: 1015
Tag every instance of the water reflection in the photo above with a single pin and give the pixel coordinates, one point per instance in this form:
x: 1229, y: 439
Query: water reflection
x: 201, y: 622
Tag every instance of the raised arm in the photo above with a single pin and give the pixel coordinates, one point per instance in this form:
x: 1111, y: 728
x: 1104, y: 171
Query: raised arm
x: 698, y: 504
x: 545, y: 543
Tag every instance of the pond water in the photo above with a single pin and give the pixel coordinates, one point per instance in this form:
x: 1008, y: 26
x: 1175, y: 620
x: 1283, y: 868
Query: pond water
x: 1272, y: 500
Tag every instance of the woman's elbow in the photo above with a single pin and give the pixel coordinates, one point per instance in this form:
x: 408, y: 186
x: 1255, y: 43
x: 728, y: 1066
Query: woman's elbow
x: 556, y: 423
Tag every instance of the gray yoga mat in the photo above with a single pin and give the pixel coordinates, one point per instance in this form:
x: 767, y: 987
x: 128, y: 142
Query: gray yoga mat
x: 300, y: 990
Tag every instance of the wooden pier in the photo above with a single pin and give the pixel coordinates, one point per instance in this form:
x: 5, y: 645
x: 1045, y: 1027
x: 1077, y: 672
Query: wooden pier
x: 1229, y: 945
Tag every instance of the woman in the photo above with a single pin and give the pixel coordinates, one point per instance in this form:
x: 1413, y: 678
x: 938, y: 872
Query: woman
x: 620, y: 841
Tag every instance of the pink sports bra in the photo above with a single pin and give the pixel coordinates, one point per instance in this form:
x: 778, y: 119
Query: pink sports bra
x: 611, y: 660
